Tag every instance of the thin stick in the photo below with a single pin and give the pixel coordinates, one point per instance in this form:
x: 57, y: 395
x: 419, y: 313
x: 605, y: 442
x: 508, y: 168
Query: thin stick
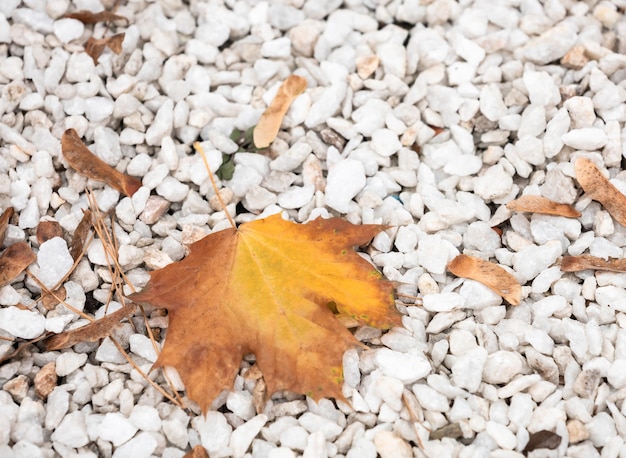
x: 143, y: 374
x: 200, y: 150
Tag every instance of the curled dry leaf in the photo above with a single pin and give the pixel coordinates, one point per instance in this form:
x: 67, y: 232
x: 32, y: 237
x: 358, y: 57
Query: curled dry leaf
x: 266, y: 130
x: 4, y: 223
x: 538, y: 204
x: 47, y: 230
x: 95, y: 46
x: 586, y: 261
x: 92, y: 332
x: 88, y: 17
x: 14, y: 260
x: 269, y: 287
x: 599, y: 188
x: 86, y: 163
x: 489, y: 274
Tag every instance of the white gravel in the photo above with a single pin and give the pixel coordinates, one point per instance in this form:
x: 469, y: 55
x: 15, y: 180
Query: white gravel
x: 427, y: 116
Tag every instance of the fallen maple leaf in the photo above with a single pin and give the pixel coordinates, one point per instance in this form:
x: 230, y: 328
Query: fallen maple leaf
x: 95, y: 46
x: 14, y: 260
x: 599, y: 188
x: 489, y: 274
x: 85, y: 162
x: 586, y: 261
x: 268, y: 288
x: 538, y: 204
x: 266, y: 130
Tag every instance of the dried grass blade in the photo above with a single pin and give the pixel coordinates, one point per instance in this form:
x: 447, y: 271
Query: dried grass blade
x: 586, y: 261
x: 489, y: 274
x: 599, y: 188
x: 14, y: 260
x: 85, y: 162
x: 538, y: 204
x: 266, y: 130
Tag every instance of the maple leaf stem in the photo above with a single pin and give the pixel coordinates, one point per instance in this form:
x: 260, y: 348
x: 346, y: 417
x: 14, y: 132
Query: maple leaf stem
x: 200, y: 150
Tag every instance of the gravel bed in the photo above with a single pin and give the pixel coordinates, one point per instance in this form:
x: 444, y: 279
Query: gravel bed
x: 425, y: 115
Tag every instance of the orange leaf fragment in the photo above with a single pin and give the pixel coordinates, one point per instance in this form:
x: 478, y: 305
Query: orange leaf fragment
x: 14, y: 260
x: 539, y: 204
x: 89, y: 17
x: 92, y: 332
x: 95, y: 46
x: 85, y: 162
x: 266, y: 130
x: 599, y: 188
x: 489, y: 274
x: 586, y: 261
x: 267, y: 288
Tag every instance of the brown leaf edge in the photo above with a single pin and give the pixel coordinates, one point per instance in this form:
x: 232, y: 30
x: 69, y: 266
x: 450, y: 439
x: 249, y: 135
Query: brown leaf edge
x: 489, y: 274
x: 14, y: 260
x: 86, y: 163
x: 542, y: 205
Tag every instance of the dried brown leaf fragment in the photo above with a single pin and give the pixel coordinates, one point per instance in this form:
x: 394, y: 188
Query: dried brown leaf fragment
x: 47, y: 230
x: 89, y: 17
x: 539, y: 204
x: 266, y: 130
x: 4, y: 223
x: 86, y: 163
x: 489, y: 274
x: 599, y: 188
x: 81, y: 234
x: 543, y: 439
x: 92, y: 332
x: 95, y: 46
x: 587, y: 261
x: 14, y: 260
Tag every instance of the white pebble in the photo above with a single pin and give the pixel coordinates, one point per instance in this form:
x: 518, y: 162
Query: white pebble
x: 116, y: 428
x: 587, y: 138
x: 467, y: 369
x: 345, y: 179
x: 25, y: 324
x: 405, y: 367
x: 54, y: 261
